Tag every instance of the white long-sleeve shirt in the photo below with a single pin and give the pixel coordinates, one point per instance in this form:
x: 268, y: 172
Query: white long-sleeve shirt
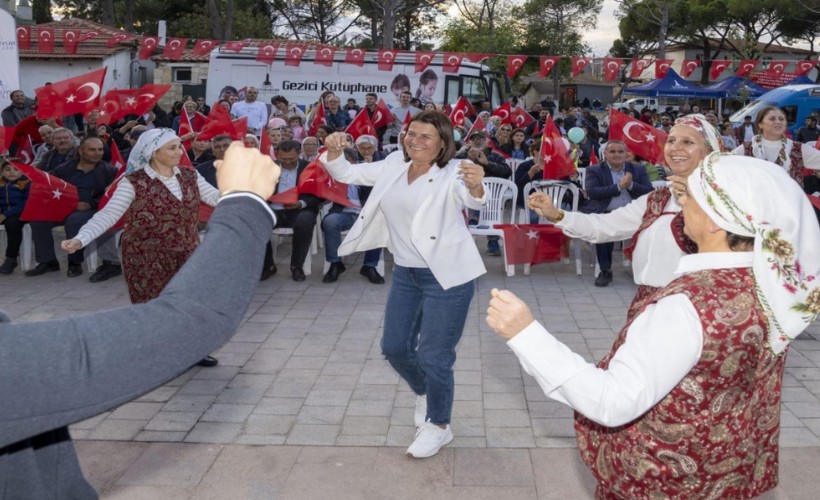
x: 657, y: 253
x: 124, y: 195
x: 662, y: 345
x: 771, y: 150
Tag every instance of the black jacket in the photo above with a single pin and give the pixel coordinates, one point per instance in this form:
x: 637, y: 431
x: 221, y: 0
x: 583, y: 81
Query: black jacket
x: 104, y: 175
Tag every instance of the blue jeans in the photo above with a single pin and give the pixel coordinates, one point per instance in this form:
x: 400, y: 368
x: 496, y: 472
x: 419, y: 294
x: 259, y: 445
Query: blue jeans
x: 604, y: 253
x: 422, y: 326
x: 332, y: 226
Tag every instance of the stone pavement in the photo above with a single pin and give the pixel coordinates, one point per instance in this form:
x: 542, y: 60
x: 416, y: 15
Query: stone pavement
x: 302, y: 405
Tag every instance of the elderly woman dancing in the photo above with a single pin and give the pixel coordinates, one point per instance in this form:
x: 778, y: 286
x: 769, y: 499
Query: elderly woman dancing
x: 159, y: 203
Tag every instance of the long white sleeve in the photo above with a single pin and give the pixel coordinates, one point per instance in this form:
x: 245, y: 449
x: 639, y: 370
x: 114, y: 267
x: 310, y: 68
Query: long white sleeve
x: 811, y: 156
x: 661, y: 347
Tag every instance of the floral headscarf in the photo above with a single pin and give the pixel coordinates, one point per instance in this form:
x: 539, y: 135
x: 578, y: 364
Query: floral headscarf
x: 147, y: 143
x: 750, y: 197
x: 706, y: 129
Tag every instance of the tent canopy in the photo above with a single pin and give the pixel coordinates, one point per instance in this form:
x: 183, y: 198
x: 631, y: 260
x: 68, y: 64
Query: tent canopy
x: 734, y: 86
x: 671, y: 85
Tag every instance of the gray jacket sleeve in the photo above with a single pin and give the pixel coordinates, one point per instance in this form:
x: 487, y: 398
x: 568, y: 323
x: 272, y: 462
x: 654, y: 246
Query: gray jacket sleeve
x: 55, y: 373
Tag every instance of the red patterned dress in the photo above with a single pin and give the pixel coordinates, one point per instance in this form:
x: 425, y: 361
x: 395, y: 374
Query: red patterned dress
x: 715, y: 435
x: 161, y: 232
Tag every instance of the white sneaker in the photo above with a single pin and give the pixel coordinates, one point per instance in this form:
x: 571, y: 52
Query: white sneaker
x: 429, y: 439
x: 420, y: 415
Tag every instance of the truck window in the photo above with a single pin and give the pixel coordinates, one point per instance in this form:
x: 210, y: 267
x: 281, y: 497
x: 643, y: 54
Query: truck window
x: 473, y: 88
x: 452, y: 90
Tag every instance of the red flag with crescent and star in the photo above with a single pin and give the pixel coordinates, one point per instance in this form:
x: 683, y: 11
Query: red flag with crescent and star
x: 521, y: 118
x: 803, y: 67
x: 174, y: 48
x: 24, y: 37
x: 452, y: 62
x: 638, y: 67
x: 203, y: 47
x: 266, y: 52
x: 149, y: 43
x: 557, y: 162
x: 477, y: 57
x: 385, y: 59
x: 578, y: 64
x: 294, y: 52
x: 71, y: 38
x: 546, y: 64
x: 533, y: 243
x: 236, y: 46
x: 662, y: 67
x: 504, y: 112
x: 324, y: 56
x: 777, y: 68
x: 718, y: 67
x: 72, y: 95
x: 355, y: 56
x: 316, y: 181
x: 119, y: 103
x: 514, y: 64
x: 382, y: 116
x: 477, y: 126
x: 318, y: 119
x: 361, y: 125
x: 745, y: 67
x: 25, y: 151
x: 45, y: 40
x: 642, y: 139
x: 688, y: 66
x: 423, y: 59
x: 460, y: 111
x: 6, y: 139
x: 118, y: 38
x: 50, y: 199
x: 612, y: 68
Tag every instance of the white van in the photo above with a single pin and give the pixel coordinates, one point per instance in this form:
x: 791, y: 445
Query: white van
x: 303, y: 84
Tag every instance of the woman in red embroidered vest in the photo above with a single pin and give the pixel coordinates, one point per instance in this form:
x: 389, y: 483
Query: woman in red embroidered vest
x: 772, y: 145
x: 159, y: 204
x: 687, y: 403
x: 652, y: 221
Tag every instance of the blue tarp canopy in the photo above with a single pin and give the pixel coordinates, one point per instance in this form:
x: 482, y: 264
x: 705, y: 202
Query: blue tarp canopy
x: 802, y: 80
x: 733, y: 86
x: 671, y: 85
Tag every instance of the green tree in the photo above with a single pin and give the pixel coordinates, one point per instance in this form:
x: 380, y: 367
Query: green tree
x: 41, y: 11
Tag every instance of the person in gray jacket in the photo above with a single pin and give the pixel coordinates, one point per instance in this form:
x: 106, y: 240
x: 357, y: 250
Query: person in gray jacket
x: 56, y: 373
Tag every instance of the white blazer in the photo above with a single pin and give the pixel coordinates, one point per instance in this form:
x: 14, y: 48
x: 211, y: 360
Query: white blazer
x: 438, y: 232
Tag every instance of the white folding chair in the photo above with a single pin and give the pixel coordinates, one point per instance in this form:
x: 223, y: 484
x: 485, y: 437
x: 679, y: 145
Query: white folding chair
x: 498, y: 191
x: 513, y: 164
x: 582, y: 176
x: 556, y: 190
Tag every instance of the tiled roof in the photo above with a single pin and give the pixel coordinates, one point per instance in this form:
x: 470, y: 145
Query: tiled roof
x: 93, y: 48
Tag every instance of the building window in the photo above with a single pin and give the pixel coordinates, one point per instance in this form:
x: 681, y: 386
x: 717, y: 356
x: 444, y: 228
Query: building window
x: 182, y: 75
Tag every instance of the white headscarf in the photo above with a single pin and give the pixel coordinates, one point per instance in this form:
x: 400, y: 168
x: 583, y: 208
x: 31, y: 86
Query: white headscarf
x: 699, y: 122
x: 147, y: 143
x: 751, y: 197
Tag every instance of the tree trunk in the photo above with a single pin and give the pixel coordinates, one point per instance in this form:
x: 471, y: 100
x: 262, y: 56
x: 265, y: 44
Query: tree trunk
x: 108, y: 13
x: 662, y: 30
x: 389, y: 27
x: 229, y: 20
x: 216, y: 27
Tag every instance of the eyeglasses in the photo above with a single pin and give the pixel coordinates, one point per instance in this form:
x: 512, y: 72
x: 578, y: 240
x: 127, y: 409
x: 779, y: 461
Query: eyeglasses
x: 505, y: 129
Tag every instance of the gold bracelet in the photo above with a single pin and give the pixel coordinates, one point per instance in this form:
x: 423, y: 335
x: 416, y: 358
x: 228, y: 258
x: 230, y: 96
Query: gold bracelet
x: 560, y: 216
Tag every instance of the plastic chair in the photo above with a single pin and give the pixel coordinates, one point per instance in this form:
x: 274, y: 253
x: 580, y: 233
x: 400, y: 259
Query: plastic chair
x: 556, y: 190
x: 25, y: 247
x: 498, y: 191
x: 513, y: 164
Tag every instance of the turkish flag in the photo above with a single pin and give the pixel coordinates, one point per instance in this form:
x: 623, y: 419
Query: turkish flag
x: 316, y: 181
x: 688, y: 66
x: 477, y: 125
x: 718, y: 67
x: 533, y: 243
x: 236, y: 46
x: 546, y: 64
x: 25, y: 150
x: 459, y: 111
x: 293, y: 54
x: 521, y: 118
x: 355, y: 56
x: 514, y: 64
x: 642, y: 139
x: 777, y: 68
x: 266, y: 52
x: 557, y: 162
x: 452, y: 62
x: 423, y: 59
x: 382, y: 116
x: 504, y: 111
x: 6, y: 139
x: 578, y: 65
x: 185, y: 128
x: 50, y: 199
x: 638, y: 66
x: 45, y: 40
x: 71, y: 38
x: 745, y: 67
x: 814, y: 200
x: 174, y: 48
x: 119, y: 103
x: 612, y: 68
x: 117, y: 159
x: 477, y: 57
x: 118, y: 38
x: 385, y: 59
x: 88, y: 35
x: 662, y: 67
x: 73, y: 95
x: 318, y: 119
x: 361, y: 125
x: 202, y: 47
x: 803, y: 67
x: 406, y: 123
x: 240, y: 127
x: 593, y: 156
x: 24, y: 37
x: 27, y: 127
x: 219, y: 122
x: 324, y: 56
x: 147, y: 46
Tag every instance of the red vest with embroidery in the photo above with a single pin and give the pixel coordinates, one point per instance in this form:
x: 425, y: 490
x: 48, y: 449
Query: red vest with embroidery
x: 655, y: 203
x: 715, y: 435
x: 157, y: 220
x: 795, y: 159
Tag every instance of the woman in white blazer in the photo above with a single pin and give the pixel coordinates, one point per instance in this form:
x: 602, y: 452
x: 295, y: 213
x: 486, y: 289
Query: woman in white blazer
x: 416, y: 210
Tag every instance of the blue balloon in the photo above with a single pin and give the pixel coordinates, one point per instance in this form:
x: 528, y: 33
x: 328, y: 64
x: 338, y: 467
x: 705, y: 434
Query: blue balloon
x: 576, y: 135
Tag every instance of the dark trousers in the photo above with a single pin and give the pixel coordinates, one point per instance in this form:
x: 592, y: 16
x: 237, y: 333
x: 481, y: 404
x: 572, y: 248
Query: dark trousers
x: 604, y: 253
x: 302, y: 222
x: 14, y: 236
x: 44, y: 240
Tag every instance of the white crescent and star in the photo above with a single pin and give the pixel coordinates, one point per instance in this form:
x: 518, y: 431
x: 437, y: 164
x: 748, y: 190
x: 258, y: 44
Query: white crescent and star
x: 130, y: 101
x: 664, y: 66
x: 326, y: 53
x: 70, y: 36
x: 458, y: 117
x: 389, y: 56
x: 517, y: 62
x: 453, y: 60
x: 626, y: 131
x: 267, y: 49
x: 56, y: 194
x: 532, y: 235
x: 356, y: 53
x: 778, y: 68
x: 150, y: 42
x: 45, y: 35
x: 95, y: 91
x: 612, y: 65
x: 174, y: 44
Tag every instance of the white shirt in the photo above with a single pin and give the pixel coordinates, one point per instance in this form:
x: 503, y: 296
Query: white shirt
x: 400, y: 209
x: 124, y: 195
x: 771, y: 150
x: 657, y: 254
x: 256, y: 112
x: 662, y: 345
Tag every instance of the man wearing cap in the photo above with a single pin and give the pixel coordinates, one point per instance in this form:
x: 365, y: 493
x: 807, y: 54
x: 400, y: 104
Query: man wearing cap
x: 693, y: 412
x: 477, y: 151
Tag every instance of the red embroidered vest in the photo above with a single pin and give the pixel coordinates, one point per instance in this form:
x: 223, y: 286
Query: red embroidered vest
x: 655, y: 203
x: 156, y: 220
x: 795, y: 159
x: 715, y: 435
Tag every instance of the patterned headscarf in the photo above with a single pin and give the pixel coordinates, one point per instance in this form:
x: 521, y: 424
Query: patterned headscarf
x: 750, y: 197
x: 148, y: 142
x: 706, y: 129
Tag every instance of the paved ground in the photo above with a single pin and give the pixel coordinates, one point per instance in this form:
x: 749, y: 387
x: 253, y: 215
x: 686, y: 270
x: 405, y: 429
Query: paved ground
x: 302, y: 405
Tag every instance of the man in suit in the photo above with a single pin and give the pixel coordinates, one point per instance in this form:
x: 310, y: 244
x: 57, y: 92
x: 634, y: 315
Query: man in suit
x: 299, y: 215
x: 612, y: 185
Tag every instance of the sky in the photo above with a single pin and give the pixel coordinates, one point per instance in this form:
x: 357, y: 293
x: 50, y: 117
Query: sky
x: 600, y: 39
